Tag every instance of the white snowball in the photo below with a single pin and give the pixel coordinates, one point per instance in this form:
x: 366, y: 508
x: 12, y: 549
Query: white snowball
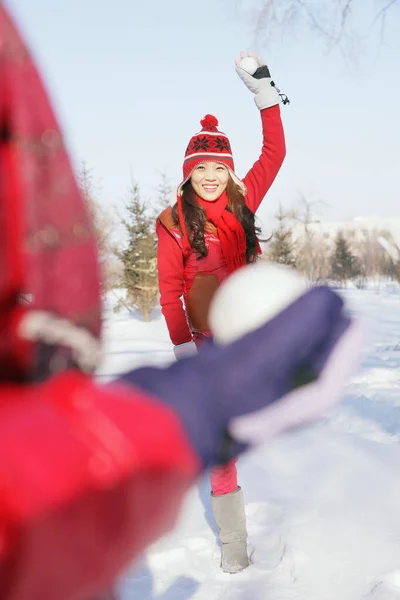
x: 252, y: 296
x: 249, y: 64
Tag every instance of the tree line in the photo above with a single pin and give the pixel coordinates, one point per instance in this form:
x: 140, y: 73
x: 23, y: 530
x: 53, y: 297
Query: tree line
x: 129, y: 265
x: 347, y: 255
x: 351, y: 254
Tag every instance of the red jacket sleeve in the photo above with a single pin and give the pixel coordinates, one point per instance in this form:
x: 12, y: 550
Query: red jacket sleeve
x: 170, y: 281
x: 82, y: 472
x: 262, y: 174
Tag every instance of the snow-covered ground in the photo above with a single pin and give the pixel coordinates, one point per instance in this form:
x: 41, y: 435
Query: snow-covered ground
x: 323, y: 504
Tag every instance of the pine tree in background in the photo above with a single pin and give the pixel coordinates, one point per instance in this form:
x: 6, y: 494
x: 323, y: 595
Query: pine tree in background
x: 281, y: 247
x: 344, y: 265
x: 139, y: 258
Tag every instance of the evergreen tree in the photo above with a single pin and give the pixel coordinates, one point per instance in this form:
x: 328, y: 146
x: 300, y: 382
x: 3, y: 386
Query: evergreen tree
x: 281, y: 248
x: 344, y: 265
x: 139, y: 258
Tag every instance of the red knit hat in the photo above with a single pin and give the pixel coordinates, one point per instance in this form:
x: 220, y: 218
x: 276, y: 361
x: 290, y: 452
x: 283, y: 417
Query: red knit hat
x: 211, y: 145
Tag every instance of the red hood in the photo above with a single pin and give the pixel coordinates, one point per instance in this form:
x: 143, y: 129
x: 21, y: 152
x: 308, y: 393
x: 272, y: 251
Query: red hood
x: 47, y: 245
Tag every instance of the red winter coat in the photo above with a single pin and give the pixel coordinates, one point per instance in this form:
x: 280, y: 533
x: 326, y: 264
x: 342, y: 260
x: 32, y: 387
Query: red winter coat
x: 196, y: 280
x: 89, y: 477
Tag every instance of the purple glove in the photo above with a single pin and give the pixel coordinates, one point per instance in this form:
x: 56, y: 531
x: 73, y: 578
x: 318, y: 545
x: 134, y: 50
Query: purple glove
x: 279, y: 376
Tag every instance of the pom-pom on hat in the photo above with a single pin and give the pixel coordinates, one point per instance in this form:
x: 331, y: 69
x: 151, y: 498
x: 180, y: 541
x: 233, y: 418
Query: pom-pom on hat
x: 211, y: 145
x: 209, y: 123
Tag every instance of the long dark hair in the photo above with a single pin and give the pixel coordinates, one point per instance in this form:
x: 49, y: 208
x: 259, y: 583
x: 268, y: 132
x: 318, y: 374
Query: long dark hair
x: 195, y: 219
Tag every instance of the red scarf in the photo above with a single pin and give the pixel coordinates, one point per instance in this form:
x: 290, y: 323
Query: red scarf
x: 229, y: 230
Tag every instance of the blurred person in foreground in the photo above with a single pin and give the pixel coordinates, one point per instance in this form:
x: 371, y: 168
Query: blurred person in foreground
x: 91, y: 475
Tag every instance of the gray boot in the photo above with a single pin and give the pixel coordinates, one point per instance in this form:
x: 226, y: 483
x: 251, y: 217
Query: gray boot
x: 230, y: 517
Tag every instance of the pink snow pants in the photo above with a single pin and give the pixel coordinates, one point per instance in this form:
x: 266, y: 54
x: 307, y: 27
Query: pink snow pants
x: 224, y: 478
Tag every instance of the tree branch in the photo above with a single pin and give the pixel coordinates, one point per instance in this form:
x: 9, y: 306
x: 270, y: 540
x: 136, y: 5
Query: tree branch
x: 384, y: 10
x: 381, y: 16
x: 346, y: 12
x: 331, y: 20
x: 314, y: 21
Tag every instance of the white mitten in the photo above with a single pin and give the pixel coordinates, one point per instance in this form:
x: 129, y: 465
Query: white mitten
x: 255, y: 74
x: 185, y: 350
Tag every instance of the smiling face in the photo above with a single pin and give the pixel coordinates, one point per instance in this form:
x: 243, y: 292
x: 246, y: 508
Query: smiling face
x: 209, y: 180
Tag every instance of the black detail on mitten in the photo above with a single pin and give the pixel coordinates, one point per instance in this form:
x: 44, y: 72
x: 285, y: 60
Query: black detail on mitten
x: 285, y: 99
x: 262, y: 72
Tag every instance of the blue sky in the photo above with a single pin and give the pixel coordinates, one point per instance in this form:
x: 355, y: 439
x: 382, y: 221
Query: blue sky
x: 130, y: 81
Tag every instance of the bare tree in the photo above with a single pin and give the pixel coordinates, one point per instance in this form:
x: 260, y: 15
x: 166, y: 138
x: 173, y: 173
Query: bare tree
x: 312, y: 252
x: 164, y: 192
x: 367, y: 248
x: 104, y: 227
x: 391, y: 255
x: 333, y: 21
x: 312, y: 259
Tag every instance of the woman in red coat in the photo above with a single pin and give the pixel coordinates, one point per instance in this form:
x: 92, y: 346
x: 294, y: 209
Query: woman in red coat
x: 208, y: 234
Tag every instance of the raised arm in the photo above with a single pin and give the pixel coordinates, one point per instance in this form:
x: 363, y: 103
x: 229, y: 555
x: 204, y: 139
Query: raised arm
x: 262, y: 174
x: 256, y: 76
x: 170, y: 281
